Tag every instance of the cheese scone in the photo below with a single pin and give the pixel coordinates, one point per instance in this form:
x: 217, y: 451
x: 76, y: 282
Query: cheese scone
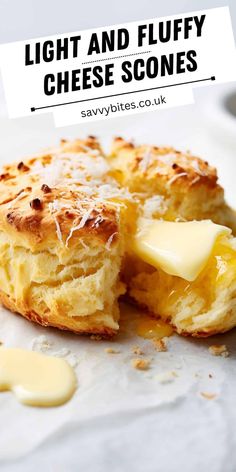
x: 61, y: 239
x: 171, y: 184
x: 186, y: 275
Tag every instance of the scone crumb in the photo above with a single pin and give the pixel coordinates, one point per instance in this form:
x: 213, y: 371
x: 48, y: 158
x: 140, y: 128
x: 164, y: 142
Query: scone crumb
x: 140, y: 364
x: 41, y: 344
x: 137, y: 350
x: 96, y: 337
x: 160, y: 345
x: 219, y: 350
x: 208, y: 396
x: 166, y: 377
x: 110, y: 350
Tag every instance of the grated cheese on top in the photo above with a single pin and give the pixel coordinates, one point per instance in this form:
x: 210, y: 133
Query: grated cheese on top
x: 81, y: 224
x: 175, y: 177
x: 155, y: 204
x: 144, y: 163
x: 109, y: 241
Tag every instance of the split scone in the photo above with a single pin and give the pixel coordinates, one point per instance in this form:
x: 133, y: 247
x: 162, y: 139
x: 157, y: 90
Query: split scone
x: 174, y: 186
x: 170, y: 184
x: 61, y: 239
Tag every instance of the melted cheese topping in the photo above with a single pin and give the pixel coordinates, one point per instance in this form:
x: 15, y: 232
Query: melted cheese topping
x: 180, y: 249
x: 36, y: 379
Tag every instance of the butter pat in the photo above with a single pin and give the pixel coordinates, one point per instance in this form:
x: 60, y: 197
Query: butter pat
x: 36, y: 379
x: 178, y: 248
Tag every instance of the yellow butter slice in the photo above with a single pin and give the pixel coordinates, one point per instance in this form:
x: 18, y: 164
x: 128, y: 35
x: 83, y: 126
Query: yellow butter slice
x: 178, y: 248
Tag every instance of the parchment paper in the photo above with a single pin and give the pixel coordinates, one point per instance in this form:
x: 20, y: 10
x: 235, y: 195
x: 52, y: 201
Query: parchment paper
x: 110, y: 389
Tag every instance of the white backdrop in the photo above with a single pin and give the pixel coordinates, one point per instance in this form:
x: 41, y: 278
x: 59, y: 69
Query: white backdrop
x: 24, y: 19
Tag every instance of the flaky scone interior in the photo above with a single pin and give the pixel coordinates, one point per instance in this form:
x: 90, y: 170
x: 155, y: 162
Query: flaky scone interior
x: 202, y: 307
x: 61, y: 239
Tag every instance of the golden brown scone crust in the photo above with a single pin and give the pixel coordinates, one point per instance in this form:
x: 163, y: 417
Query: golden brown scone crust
x: 187, y: 185
x: 26, y: 195
x: 89, y: 325
x: 164, y: 163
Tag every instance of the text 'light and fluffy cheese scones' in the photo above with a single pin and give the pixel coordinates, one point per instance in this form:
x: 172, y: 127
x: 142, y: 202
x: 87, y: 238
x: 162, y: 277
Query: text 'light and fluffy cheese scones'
x: 61, y: 239
x: 171, y: 184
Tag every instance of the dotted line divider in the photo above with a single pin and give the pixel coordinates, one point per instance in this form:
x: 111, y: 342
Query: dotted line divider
x: 118, y: 57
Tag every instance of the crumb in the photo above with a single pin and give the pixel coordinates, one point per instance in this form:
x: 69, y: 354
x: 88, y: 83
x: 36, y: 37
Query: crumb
x: 210, y: 376
x: 141, y: 364
x: 208, y: 396
x: 137, y: 350
x: 110, y: 350
x: 178, y: 366
x: 41, y: 344
x: 69, y: 356
x: 96, y: 337
x: 72, y: 359
x: 160, y: 345
x: 166, y: 377
x: 63, y: 352
x: 219, y: 350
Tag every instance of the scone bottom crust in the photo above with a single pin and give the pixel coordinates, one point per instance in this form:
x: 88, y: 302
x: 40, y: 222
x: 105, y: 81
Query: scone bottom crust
x: 102, y: 331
